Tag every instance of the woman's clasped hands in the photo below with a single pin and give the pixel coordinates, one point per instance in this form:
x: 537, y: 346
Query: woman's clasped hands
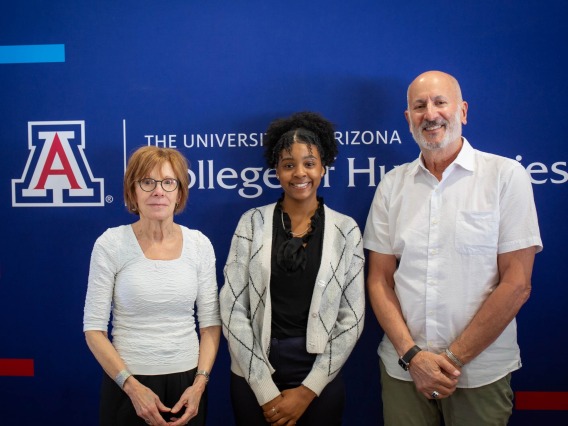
x: 149, y: 407
x: 288, y: 407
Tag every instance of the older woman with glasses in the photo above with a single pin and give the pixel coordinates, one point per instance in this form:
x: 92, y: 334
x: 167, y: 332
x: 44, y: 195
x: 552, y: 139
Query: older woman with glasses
x: 150, y: 275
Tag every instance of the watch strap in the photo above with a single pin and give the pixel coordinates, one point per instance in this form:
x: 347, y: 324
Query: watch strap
x: 404, y: 360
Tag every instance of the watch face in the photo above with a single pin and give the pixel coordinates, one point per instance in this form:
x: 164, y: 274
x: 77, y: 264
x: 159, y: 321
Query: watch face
x: 403, y: 364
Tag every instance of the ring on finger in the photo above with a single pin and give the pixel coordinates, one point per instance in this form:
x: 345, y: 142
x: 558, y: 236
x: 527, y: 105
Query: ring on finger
x: 435, y: 394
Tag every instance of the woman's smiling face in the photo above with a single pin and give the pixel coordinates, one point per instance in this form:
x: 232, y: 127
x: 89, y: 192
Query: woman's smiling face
x: 300, y: 171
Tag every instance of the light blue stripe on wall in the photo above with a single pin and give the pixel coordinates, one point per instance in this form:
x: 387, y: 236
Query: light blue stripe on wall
x: 26, y: 54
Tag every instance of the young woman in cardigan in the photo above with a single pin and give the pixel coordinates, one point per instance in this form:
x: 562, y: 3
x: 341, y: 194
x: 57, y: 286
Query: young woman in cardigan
x: 292, y: 305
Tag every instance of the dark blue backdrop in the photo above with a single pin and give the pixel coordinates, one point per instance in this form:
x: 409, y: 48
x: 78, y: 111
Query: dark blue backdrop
x: 169, y: 73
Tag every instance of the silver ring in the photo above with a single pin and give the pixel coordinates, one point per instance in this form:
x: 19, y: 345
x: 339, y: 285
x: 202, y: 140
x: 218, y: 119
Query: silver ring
x: 435, y: 394
x: 274, y: 410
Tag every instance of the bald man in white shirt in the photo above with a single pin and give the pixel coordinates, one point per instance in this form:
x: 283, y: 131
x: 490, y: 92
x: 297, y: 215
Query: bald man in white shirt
x: 452, y: 238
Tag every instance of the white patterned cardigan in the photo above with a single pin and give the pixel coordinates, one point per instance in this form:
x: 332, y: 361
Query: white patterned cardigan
x: 337, y: 309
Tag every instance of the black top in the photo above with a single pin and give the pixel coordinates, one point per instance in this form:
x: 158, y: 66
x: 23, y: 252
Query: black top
x: 294, y: 269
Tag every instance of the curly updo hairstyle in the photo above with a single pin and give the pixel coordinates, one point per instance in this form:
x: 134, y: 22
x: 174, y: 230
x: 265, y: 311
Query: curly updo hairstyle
x: 304, y: 127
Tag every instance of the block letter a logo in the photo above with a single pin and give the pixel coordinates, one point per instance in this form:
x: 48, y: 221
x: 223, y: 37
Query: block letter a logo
x: 57, y: 173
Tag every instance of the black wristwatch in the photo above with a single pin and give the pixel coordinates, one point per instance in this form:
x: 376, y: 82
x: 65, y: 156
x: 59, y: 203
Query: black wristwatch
x: 404, y: 361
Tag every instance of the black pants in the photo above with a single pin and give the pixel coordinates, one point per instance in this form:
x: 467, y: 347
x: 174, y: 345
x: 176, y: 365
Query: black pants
x: 116, y: 408
x: 292, y: 364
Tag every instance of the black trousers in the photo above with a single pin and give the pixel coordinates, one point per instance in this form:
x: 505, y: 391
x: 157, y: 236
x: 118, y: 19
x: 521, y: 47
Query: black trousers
x: 292, y: 364
x: 116, y: 409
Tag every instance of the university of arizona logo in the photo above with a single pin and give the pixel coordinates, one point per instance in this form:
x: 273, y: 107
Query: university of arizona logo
x: 57, y: 173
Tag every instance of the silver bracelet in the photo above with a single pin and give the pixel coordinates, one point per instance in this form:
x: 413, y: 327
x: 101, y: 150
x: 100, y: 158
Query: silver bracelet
x: 121, y: 378
x: 203, y: 373
x: 454, y: 358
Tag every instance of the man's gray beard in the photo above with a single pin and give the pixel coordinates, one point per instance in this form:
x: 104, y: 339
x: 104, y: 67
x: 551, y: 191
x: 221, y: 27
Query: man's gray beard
x: 453, y: 132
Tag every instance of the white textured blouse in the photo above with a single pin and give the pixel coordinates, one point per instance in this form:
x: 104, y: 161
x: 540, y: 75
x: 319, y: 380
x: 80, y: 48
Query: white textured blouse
x: 152, y: 301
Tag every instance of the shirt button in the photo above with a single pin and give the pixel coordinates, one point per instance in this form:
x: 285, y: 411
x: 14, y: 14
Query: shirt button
x: 314, y: 315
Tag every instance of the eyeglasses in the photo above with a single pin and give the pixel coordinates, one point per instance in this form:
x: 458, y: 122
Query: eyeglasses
x: 149, y: 184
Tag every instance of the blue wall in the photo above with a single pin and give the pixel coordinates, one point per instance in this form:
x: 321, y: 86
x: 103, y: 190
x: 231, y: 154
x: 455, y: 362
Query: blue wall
x: 177, y: 73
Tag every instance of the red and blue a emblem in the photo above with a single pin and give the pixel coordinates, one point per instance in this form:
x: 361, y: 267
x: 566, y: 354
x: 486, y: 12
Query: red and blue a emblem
x: 57, y: 173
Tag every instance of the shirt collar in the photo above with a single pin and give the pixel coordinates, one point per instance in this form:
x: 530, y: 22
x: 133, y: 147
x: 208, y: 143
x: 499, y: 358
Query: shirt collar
x: 465, y: 159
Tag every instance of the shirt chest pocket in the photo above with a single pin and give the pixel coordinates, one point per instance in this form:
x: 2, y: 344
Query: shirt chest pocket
x: 477, y: 232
